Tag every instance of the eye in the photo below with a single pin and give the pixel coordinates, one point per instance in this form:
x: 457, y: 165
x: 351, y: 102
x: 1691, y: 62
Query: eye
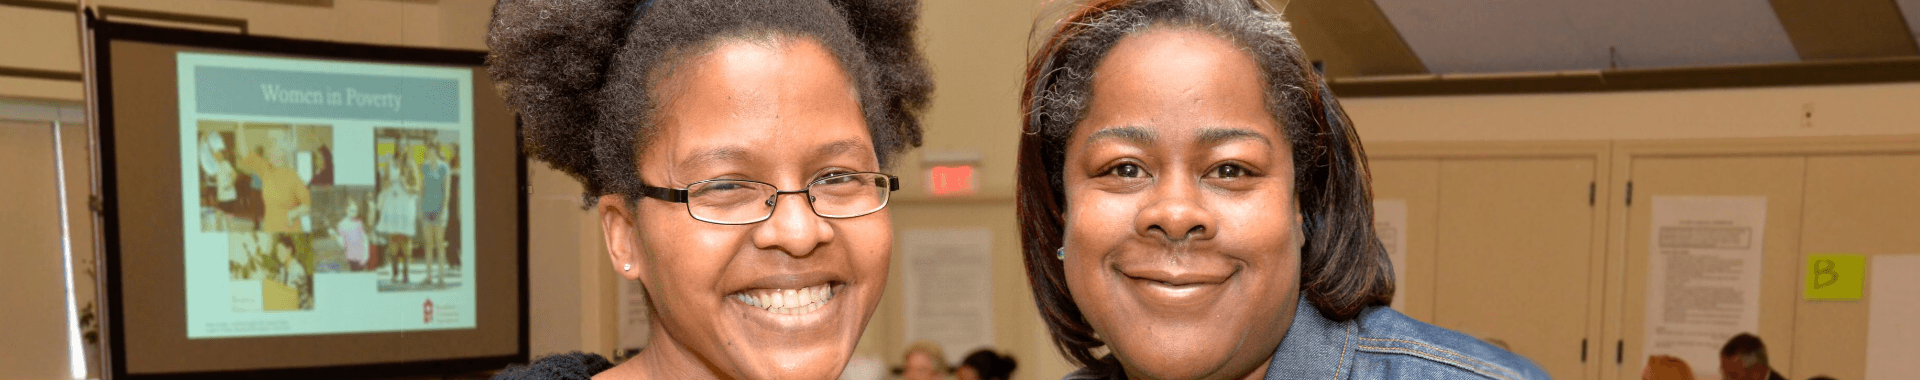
x: 1228, y: 171
x: 835, y: 178
x: 1127, y: 171
x: 717, y: 187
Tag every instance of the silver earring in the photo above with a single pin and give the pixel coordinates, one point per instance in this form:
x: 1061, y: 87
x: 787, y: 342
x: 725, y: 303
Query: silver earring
x: 1060, y: 254
x: 626, y: 267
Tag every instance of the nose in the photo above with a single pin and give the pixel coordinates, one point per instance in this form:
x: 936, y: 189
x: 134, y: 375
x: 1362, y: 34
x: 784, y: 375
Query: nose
x: 793, y: 228
x: 1174, y: 212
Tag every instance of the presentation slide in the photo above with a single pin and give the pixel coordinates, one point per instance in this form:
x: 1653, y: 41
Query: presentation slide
x: 325, y: 197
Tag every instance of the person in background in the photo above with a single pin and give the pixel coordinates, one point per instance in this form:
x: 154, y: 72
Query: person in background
x: 291, y: 272
x: 985, y: 364
x: 1195, y: 204
x: 1663, y: 367
x: 924, y: 360
x: 322, y: 167
x: 398, y: 222
x: 351, y: 233
x: 436, y: 191
x: 733, y: 152
x: 217, y: 169
x: 1744, y: 357
x: 281, y: 189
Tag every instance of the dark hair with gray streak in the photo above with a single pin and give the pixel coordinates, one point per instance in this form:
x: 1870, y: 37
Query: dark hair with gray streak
x: 1344, y: 268
x: 582, y: 73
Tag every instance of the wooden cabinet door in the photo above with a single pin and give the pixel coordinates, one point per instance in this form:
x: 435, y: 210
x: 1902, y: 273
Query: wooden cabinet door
x: 1778, y: 178
x: 1862, y: 204
x: 1514, y: 255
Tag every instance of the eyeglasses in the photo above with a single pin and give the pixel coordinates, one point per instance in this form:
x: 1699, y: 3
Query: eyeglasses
x: 740, y: 201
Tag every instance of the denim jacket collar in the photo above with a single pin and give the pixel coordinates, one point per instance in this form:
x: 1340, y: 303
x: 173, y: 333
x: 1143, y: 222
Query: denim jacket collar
x: 1314, y: 348
x: 1378, y: 343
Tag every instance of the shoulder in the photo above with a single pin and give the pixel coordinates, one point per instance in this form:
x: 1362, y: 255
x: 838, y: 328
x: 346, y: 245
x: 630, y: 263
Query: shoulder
x: 568, y: 366
x: 1420, y: 349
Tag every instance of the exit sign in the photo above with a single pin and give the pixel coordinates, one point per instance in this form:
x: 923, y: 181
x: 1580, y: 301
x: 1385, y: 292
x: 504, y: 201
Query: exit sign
x: 951, y: 181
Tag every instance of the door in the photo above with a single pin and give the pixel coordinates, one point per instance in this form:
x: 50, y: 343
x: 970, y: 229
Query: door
x: 34, y: 271
x: 1515, y: 255
x: 1861, y: 204
x: 1778, y: 178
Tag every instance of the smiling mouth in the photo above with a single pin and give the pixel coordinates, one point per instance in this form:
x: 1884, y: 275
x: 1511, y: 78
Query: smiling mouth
x: 1176, y: 277
x: 789, y: 301
x: 1177, y: 287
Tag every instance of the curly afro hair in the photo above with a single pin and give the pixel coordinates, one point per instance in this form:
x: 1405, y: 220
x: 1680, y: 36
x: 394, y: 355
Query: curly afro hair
x: 581, y: 73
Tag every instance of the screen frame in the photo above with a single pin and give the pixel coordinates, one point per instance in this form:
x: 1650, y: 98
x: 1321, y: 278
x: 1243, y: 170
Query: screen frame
x: 101, y: 33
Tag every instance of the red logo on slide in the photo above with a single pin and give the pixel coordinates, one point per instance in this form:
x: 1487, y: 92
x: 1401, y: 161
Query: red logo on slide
x: 428, y: 308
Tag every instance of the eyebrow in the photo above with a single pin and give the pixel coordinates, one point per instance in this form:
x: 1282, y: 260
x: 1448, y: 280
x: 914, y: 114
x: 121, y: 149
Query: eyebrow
x: 710, y: 156
x: 1215, y: 136
x: 842, y: 147
x: 1133, y: 133
x: 738, y: 153
x: 1208, y: 136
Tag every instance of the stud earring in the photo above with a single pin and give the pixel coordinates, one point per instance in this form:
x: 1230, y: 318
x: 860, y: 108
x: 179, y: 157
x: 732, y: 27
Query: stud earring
x: 1060, y: 254
x: 626, y: 267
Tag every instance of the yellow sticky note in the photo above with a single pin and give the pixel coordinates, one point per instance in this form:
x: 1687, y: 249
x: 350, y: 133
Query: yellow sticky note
x: 1835, y: 276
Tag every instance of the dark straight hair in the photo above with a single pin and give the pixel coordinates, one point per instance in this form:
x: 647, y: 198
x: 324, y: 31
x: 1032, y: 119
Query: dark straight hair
x: 1344, y: 268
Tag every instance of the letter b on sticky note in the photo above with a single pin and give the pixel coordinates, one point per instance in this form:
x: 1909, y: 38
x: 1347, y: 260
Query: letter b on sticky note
x: 1835, y: 276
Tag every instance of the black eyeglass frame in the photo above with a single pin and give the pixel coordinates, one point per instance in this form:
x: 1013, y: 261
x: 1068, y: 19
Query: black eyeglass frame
x: 680, y: 195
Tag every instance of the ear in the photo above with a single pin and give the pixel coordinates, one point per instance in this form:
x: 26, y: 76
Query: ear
x: 1299, y: 235
x: 617, y: 225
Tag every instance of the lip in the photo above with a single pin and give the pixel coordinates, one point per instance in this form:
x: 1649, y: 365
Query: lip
x: 815, y: 319
x: 1177, y: 276
x: 791, y: 281
x: 1178, y: 281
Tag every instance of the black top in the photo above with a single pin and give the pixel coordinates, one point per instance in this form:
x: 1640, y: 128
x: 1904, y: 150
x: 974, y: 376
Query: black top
x: 568, y: 366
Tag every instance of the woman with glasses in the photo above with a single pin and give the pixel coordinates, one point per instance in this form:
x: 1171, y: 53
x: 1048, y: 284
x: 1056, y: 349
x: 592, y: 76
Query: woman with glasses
x: 1195, y: 205
x: 734, y: 151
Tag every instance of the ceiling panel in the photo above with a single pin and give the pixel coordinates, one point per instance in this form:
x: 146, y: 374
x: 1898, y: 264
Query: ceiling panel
x: 1911, y: 10
x: 1480, y: 36
x: 1823, y: 29
x: 1352, y: 37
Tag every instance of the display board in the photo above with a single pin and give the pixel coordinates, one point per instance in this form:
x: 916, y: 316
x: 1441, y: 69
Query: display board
x: 287, y: 208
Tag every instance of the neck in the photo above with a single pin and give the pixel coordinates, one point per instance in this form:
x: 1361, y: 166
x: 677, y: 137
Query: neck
x: 664, y: 358
x: 1259, y: 372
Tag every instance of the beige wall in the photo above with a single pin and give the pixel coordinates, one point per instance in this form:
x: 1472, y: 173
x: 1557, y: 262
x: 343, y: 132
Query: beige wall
x: 977, y: 49
x: 1850, y: 110
x: 49, y: 40
x: 570, y: 280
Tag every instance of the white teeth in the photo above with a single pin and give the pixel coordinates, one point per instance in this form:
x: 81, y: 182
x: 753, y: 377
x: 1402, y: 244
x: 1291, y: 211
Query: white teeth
x: 787, y: 301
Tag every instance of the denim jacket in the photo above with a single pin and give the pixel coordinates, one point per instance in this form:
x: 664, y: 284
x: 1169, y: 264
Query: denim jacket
x: 1382, y: 344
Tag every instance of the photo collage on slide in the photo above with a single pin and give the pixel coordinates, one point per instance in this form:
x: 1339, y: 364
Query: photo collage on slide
x: 270, y: 188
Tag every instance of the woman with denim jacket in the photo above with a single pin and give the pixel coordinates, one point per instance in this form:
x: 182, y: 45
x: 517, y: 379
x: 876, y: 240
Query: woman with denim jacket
x: 1195, y: 205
